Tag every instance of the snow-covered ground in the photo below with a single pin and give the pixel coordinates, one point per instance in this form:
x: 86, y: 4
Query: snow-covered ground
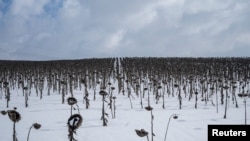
x: 49, y: 111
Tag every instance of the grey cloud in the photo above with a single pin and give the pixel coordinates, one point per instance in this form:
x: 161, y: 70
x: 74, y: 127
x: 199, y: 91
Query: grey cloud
x: 91, y: 28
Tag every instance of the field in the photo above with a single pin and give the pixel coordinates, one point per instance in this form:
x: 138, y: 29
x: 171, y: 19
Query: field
x: 115, y: 97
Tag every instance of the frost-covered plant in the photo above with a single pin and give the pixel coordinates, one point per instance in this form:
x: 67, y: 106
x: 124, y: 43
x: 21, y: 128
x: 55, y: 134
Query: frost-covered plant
x: 63, y: 83
x: 74, y: 122
x: 226, y: 87
x: 174, y: 116
x: 146, y: 89
x: 72, y: 101
x: 41, y: 87
x: 85, y: 98
x: 7, y: 92
x: 104, y: 114
x: 163, y: 93
x: 129, y: 96
x: 179, y: 94
x: 149, y: 108
x: 14, y: 116
x: 26, y: 96
x: 111, y: 101
x: 1, y: 93
x: 245, y: 95
x: 71, y: 78
x: 157, y: 92
x: 234, y: 93
x: 34, y: 125
x: 114, y: 98
x: 196, y: 99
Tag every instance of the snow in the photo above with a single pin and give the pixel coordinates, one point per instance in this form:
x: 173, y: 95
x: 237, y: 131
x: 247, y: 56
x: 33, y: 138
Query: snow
x: 53, y: 116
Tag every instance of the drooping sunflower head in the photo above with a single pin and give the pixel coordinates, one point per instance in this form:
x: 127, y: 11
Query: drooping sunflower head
x: 141, y: 133
x: 103, y: 93
x: 14, y: 115
x: 74, y: 122
x: 175, y: 116
x: 3, y: 112
x: 149, y: 108
x: 71, y: 100
x: 36, y: 125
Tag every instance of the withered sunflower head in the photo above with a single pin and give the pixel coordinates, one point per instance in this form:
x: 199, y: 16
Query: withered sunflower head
x: 71, y: 100
x: 243, y: 95
x: 74, y: 122
x: 141, y: 133
x: 36, y: 125
x: 149, y: 108
x: 103, y: 93
x: 175, y: 117
x: 14, y: 115
x: 3, y: 112
x: 25, y: 88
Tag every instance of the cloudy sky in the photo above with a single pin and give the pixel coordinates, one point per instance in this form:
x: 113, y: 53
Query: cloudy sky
x: 76, y: 29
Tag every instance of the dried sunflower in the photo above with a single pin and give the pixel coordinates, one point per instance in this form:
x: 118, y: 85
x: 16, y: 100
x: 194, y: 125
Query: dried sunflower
x: 14, y: 115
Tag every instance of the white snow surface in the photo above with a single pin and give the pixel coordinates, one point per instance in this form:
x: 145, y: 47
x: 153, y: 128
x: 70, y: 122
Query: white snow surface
x: 49, y: 111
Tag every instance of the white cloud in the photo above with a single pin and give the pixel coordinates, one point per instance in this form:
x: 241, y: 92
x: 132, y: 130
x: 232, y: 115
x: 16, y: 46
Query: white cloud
x: 140, y: 19
x: 114, y: 39
x: 73, y: 11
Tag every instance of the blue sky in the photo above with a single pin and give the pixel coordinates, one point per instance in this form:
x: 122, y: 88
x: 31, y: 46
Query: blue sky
x: 75, y: 29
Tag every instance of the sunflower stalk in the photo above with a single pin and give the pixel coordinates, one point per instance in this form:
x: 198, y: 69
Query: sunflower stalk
x: 36, y: 126
x: 104, y: 114
x: 14, y: 116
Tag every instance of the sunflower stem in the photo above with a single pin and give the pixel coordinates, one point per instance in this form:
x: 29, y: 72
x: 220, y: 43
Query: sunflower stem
x: 29, y: 133
x: 14, y: 131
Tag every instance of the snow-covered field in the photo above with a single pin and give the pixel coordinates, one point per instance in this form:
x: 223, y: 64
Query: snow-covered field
x: 53, y: 116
